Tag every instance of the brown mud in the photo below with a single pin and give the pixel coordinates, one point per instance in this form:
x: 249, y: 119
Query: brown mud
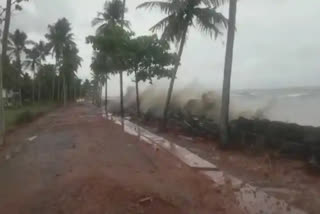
x: 74, y: 161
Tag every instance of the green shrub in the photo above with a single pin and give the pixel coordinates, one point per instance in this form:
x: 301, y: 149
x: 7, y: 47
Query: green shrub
x: 24, y: 117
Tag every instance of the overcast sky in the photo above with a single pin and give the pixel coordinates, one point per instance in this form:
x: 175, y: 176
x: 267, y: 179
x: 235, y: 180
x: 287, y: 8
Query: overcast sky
x: 277, y: 41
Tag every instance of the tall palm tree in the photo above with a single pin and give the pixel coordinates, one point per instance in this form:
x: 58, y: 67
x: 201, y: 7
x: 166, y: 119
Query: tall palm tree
x: 180, y: 16
x: 34, y: 58
x: 47, y: 73
x: 113, y: 15
x: 70, y: 63
x: 2, y: 63
x: 97, y: 82
x: 224, y: 118
x: 102, y: 65
x: 16, y: 47
x: 121, y: 77
x: 4, y: 41
x: 59, y: 37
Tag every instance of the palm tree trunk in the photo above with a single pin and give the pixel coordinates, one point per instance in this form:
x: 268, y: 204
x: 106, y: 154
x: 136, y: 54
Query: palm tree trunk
x: 16, y: 89
x: 74, y: 93
x: 1, y: 107
x: 39, y: 90
x: 58, y: 78
x: 64, y: 89
x: 121, y: 94
x: 80, y: 91
x: 33, y: 91
x: 20, y: 97
x: 99, y: 95
x: 4, y: 55
x: 137, y: 94
x: 58, y: 95
x: 18, y: 82
x: 166, y: 108
x: 121, y: 72
x: 106, y: 95
x: 53, y: 88
x: 224, y: 118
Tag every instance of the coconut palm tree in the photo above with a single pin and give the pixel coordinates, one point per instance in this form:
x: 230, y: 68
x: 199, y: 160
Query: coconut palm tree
x: 34, y: 58
x: 97, y: 82
x: 113, y: 15
x: 224, y: 118
x: 102, y: 65
x: 5, y: 34
x: 32, y: 62
x: 70, y: 63
x: 59, y: 37
x: 181, y: 15
x: 46, y: 76
x: 4, y: 43
x: 16, y: 47
x: 121, y: 77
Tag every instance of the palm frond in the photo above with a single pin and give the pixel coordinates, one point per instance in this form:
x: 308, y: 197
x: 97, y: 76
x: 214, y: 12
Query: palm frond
x: 214, y: 3
x: 175, y: 28
x: 166, y: 7
x: 127, y: 25
x: 162, y: 24
x: 97, y: 21
x: 102, y: 28
x: 10, y: 42
x: 209, y: 21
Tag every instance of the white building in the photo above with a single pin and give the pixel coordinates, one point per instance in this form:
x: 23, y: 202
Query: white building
x: 7, y: 94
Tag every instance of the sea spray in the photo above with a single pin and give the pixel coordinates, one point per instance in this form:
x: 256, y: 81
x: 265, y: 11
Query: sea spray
x: 193, y: 100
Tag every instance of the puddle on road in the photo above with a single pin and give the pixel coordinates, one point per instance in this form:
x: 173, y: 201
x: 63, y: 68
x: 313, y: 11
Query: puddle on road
x: 251, y: 199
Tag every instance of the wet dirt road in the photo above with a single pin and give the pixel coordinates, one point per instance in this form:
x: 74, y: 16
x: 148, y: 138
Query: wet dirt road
x: 74, y: 161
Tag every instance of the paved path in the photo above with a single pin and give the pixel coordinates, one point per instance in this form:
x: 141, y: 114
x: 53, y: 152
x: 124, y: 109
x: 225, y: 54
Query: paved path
x: 74, y: 161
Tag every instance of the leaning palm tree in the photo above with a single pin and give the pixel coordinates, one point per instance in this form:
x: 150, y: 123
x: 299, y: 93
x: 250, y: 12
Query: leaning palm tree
x: 16, y: 47
x: 59, y: 37
x: 34, y: 58
x: 224, y: 118
x: 180, y: 16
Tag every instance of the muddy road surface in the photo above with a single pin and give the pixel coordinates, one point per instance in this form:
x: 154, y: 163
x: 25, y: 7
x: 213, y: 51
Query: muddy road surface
x: 74, y: 161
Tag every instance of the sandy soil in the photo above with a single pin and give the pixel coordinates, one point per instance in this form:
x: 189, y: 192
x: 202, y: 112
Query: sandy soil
x: 291, y: 180
x: 74, y: 161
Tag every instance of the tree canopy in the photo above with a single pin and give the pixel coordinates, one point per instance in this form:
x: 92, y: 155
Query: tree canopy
x: 181, y: 14
x: 149, y: 58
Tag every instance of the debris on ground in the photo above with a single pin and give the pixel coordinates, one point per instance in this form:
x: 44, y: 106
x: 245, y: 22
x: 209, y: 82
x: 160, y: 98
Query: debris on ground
x: 32, y: 138
x: 145, y: 200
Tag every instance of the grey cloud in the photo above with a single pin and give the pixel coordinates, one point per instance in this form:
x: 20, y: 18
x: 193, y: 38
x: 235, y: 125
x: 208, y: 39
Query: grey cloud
x: 276, y: 42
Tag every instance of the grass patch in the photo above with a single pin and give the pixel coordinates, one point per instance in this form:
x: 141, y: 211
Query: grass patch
x: 25, y: 114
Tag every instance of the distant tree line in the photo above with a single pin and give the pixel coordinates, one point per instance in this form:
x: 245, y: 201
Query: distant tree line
x: 26, y: 75
x: 31, y: 78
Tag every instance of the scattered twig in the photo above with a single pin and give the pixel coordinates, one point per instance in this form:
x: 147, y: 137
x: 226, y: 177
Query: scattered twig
x: 145, y: 200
